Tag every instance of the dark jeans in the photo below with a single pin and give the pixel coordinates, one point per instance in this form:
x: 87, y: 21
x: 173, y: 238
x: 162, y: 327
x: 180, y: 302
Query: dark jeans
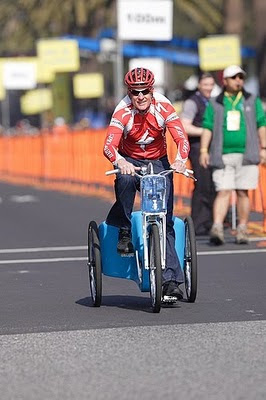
x: 120, y: 213
x: 203, y: 194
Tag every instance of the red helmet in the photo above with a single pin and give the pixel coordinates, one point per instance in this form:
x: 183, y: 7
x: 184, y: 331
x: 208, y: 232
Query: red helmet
x: 139, y: 78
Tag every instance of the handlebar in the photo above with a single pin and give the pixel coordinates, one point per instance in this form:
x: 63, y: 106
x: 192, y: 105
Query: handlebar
x: 112, y: 172
x: 189, y: 173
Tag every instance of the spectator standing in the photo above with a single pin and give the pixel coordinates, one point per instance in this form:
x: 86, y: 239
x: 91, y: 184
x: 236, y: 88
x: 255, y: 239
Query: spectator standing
x: 204, y: 193
x: 60, y: 127
x: 233, y: 143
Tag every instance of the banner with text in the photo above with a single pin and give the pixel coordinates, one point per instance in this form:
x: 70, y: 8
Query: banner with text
x: 145, y: 19
x: 59, y: 55
x: 19, y: 75
x: 218, y: 51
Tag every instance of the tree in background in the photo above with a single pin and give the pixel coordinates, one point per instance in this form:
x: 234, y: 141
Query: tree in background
x: 22, y: 22
x: 260, y: 14
x: 235, y: 17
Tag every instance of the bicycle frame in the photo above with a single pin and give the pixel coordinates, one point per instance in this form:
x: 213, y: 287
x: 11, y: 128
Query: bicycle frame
x: 153, y: 208
x: 147, y: 220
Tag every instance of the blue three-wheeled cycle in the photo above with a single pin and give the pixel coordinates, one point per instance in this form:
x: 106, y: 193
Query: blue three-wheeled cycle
x: 149, y: 240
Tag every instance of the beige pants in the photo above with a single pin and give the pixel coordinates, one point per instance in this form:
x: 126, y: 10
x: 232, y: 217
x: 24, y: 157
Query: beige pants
x: 235, y: 175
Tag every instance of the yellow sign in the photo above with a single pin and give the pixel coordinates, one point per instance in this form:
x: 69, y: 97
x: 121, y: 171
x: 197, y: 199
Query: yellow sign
x: 2, y: 89
x: 2, y: 92
x: 218, y: 52
x: 59, y: 55
x: 87, y: 86
x: 44, y: 74
x: 36, y: 101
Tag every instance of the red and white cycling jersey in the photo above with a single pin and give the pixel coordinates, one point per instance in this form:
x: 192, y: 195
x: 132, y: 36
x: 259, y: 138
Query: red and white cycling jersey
x: 142, y: 136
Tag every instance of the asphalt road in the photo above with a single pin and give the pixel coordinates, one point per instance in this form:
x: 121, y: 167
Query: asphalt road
x: 55, y: 345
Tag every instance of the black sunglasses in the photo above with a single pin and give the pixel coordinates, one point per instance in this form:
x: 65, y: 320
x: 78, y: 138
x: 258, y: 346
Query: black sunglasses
x: 137, y: 92
x: 240, y: 76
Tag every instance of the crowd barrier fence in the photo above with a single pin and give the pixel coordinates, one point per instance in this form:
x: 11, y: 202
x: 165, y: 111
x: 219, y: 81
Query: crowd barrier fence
x: 74, y: 161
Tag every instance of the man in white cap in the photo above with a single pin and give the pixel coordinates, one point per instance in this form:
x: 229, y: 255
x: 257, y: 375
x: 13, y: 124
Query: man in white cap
x: 233, y: 143
x: 232, y: 71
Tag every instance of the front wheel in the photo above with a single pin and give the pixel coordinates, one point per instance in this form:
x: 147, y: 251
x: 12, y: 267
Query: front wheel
x: 190, y: 260
x: 155, y: 268
x: 94, y: 264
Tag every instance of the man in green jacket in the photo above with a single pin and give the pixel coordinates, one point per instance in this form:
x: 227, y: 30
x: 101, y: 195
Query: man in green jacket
x: 233, y: 143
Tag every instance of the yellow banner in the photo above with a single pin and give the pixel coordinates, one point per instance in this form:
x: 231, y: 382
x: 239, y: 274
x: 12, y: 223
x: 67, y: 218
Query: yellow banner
x: 36, y: 101
x: 59, y: 55
x: 218, y: 52
x: 2, y: 89
x: 44, y: 74
x: 87, y: 86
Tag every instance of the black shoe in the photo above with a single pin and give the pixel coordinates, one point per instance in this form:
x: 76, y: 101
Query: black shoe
x: 124, y: 245
x: 171, y: 288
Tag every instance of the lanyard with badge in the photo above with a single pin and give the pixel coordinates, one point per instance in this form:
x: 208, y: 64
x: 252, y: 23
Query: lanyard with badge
x: 233, y: 116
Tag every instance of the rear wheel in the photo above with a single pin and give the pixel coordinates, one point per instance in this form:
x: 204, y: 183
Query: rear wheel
x: 190, y: 260
x: 155, y: 268
x: 94, y: 264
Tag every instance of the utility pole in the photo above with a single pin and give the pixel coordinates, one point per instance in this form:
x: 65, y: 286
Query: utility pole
x: 260, y: 12
x: 118, y: 76
x: 5, y: 110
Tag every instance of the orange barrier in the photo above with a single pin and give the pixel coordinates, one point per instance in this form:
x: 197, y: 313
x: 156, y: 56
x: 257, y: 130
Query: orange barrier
x: 75, y: 161
x: 262, y: 193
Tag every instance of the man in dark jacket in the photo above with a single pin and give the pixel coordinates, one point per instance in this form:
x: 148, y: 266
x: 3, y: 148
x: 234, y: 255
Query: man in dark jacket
x: 204, y: 193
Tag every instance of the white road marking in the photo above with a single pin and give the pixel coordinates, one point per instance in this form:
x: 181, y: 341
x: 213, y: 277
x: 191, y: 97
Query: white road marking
x: 225, y: 252
x: 75, y: 248
x: 27, y: 198
x: 232, y: 240
x: 257, y: 239
x: 42, y: 249
x: 43, y: 260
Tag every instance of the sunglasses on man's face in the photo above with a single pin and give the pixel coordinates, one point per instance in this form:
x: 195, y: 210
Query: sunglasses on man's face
x: 240, y: 76
x: 137, y: 92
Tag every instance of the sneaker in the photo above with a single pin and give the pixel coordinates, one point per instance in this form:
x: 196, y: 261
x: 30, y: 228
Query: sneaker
x: 217, y: 234
x: 172, y: 289
x: 241, y: 234
x: 124, y: 245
